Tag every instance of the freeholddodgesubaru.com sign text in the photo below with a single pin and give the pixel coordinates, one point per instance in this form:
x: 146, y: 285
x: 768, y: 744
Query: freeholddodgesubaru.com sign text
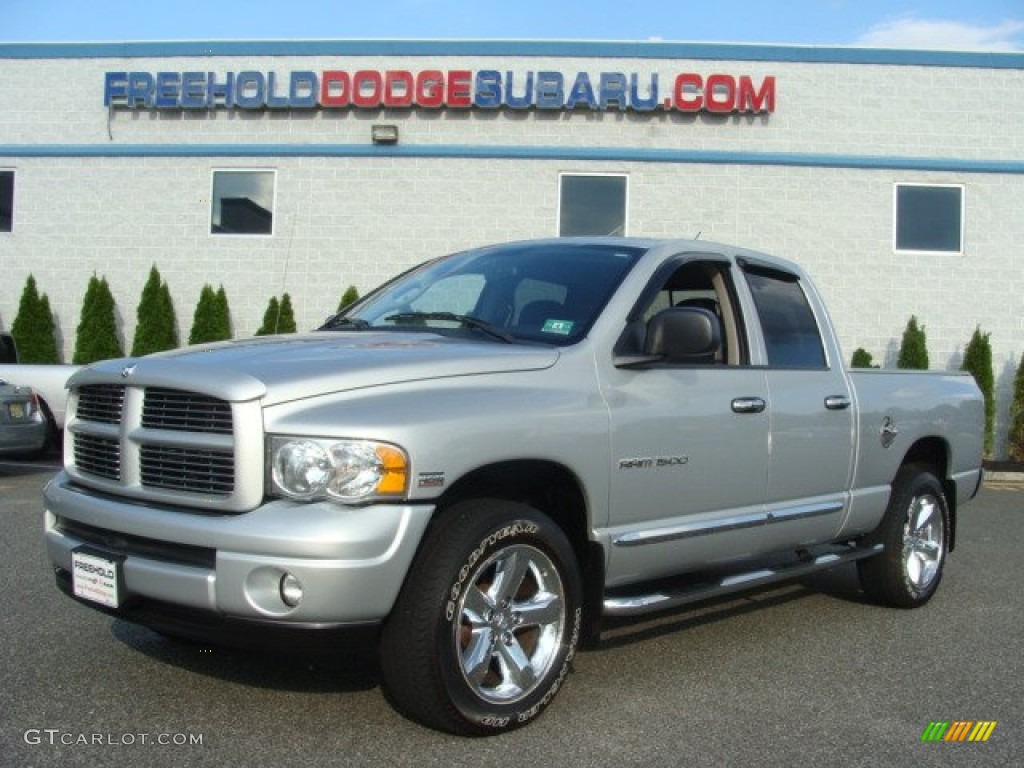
x: 436, y: 88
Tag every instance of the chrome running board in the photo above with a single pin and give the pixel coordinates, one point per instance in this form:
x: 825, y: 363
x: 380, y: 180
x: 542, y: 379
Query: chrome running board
x: 635, y: 602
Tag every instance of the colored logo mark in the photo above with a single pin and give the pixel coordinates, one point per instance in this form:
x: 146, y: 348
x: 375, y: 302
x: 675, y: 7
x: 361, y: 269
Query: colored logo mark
x: 958, y: 730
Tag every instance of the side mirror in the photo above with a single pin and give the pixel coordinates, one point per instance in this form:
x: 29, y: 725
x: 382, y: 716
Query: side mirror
x: 684, y: 335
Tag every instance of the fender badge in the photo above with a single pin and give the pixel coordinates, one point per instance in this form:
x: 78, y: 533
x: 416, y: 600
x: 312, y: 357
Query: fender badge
x: 128, y: 371
x: 888, y: 432
x: 431, y: 480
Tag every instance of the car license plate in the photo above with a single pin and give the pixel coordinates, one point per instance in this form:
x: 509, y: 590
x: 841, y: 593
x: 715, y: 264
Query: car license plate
x: 16, y: 410
x: 96, y: 578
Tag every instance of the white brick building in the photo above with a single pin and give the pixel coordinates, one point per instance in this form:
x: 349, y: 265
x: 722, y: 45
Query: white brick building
x: 109, y: 155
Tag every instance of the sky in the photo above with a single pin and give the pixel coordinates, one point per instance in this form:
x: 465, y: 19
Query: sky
x: 981, y: 25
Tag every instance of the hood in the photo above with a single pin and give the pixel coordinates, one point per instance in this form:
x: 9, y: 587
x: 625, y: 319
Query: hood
x: 283, y: 368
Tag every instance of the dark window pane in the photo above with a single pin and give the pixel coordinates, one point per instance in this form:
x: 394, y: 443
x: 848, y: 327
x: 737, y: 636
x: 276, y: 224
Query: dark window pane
x: 791, y: 333
x: 592, y: 205
x: 6, y: 200
x: 928, y: 218
x: 243, y: 203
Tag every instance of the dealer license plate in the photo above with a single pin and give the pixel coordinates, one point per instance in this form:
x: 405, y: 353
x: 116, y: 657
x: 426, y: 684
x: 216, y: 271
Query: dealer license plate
x: 96, y: 578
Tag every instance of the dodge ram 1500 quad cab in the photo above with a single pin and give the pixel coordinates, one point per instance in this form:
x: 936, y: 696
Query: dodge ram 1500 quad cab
x: 487, y: 455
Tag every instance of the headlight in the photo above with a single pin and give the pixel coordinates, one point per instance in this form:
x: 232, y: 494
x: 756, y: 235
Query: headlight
x: 344, y: 470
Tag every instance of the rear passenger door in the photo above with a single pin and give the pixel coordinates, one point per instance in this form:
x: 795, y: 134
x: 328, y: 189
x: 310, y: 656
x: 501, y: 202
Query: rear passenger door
x: 812, y: 423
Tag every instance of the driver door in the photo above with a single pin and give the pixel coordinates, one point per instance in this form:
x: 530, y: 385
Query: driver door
x: 690, y: 444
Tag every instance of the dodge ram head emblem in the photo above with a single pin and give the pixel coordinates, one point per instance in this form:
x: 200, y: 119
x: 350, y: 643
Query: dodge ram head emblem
x: 128, y: 370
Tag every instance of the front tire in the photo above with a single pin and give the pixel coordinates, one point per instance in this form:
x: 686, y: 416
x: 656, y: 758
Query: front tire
x: 485, y: 628
x: 915, y: 536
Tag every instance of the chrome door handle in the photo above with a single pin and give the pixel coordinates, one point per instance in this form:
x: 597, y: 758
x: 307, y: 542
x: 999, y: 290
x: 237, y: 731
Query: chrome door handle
x: 748, y: 405
x: 837, y: 402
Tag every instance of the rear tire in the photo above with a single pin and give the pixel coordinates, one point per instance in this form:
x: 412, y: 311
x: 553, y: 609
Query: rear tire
x: 484, y: 631
x: 915, y: 534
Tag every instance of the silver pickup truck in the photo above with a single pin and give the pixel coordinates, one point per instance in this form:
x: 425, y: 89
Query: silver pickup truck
x: 487, y: 455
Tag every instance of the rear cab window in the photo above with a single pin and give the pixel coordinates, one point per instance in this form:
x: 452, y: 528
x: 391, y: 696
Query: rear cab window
x: 792, y: 337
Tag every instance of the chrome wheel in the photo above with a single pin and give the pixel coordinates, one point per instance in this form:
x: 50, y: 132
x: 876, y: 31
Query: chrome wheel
x: 512, y: 619
x: 914, y: 536
x: 923, y: 541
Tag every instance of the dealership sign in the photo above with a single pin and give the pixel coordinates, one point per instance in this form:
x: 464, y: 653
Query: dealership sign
x: 435, y: 88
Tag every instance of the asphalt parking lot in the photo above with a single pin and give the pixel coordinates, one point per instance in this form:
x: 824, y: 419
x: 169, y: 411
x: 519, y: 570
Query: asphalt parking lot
x: 804, y: 674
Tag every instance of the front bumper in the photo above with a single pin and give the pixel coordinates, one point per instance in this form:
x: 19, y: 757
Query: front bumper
x: 351, y: 561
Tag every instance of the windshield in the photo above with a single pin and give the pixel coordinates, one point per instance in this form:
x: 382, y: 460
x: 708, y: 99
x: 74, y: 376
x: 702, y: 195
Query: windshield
x: 548, y: 292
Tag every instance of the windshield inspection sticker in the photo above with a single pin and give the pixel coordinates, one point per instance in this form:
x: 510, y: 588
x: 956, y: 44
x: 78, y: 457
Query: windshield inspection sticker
x: 561, y: 327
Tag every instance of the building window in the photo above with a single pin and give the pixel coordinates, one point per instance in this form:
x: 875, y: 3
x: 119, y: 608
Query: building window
x: 6, y: 200
x: 589, y: 204
x: 929, y: 218
x: 242, y: 203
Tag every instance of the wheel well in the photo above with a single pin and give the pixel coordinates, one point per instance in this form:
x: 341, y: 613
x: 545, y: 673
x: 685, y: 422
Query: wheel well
x: 933, y: 452
x: 545, y: 486
x: 557, y: 492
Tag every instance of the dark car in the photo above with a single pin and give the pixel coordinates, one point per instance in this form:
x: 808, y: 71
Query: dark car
x: 22, y: 423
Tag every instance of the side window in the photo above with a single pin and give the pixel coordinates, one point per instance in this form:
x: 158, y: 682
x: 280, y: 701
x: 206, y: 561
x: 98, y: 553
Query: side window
x: 705, y: 285
x: 791, y: 333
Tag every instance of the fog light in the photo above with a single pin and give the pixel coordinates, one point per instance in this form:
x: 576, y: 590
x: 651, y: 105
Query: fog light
x: 291, y: 590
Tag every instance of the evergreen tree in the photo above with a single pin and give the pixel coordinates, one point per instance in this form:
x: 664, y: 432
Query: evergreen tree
x: 204, y: 320
x: 279, y: 317
x: 351, y: 296
x: 978, y: 361
x: 861, y: 359
x: 96, y: 336
x: 222, y: 329
x: 168, y: 327
x: 270, y: 317
x: 914, y: 347
x: 1016, y: 436
x: 286, y: 322
x: 33, y: 328
x: 156, y: 328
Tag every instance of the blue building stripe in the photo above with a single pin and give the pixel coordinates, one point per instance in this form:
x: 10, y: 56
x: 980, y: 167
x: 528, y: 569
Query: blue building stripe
x: 492, y: 152
x: 511, y: 48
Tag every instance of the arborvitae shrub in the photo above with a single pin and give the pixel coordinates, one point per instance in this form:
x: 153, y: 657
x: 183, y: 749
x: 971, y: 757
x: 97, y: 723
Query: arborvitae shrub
x: 279, y: 317
x: 286, y: 322
x: 914, y: 347
x: 1016, y: 436
x: 350, y: 296
x: 33, y: 328
x: 978, y: 361
x: 269, y: 325
x: 212, y: 320
x: 222, y: 328
x: 156, y: 329
x: 96, y: 336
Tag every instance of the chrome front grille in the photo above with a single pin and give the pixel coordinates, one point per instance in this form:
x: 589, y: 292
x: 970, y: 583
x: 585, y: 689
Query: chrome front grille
x: 98, y: 456
x: 191, y: 470
x: 167, y: 445
x: 185, y: 412
x: 101, y: 402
